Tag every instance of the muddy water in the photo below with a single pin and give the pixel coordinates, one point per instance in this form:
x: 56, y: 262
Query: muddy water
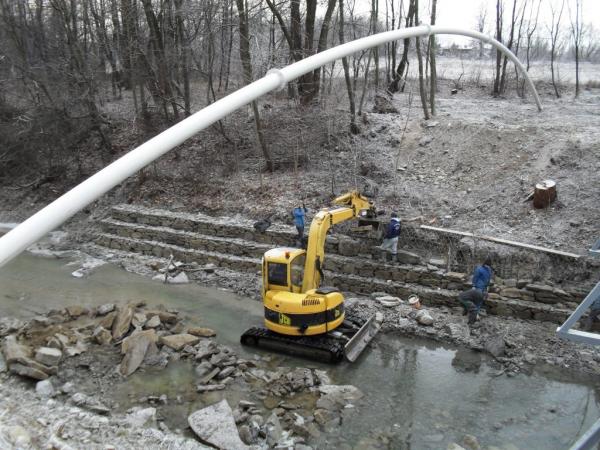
x: 417, y: 395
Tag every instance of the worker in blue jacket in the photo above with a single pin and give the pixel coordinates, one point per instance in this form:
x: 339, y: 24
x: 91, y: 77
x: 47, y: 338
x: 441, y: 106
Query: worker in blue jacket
x: 482, y: 275
x: 473, y: 299
x: 299, y: 213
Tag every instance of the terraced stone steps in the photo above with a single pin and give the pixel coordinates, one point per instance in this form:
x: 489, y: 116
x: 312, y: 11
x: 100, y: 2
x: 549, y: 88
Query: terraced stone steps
x: 350, y: 274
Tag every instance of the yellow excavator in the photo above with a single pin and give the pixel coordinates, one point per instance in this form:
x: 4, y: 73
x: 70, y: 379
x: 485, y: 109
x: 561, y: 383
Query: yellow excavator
x: 301, y: 316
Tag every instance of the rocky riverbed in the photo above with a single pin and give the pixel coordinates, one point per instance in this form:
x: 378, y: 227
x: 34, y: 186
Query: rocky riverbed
x: 83, y: 401
x: 517, y: 344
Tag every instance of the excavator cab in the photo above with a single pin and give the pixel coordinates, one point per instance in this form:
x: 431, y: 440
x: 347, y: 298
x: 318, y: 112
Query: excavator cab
x: 289, y: 311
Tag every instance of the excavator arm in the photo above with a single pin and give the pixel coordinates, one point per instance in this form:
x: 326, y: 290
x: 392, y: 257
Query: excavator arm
x: 347, y: 206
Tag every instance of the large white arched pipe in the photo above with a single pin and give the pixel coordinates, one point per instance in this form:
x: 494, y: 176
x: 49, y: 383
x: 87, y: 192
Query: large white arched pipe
x: 63, y: 208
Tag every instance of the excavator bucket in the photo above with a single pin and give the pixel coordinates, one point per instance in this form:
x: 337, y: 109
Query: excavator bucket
x: 356, y: 345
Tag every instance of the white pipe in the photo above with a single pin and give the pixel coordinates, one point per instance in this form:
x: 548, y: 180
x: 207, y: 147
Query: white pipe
x: 63, y: 208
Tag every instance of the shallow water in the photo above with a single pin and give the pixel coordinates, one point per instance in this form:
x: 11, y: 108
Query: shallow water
x: 417, y: 394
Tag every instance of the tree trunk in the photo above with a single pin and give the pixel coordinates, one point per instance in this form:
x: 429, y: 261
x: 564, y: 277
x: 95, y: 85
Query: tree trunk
x: 247, y: 68
x: 422, y: 89
x: 432, y: 68
x: 349, y: 87
x: 402, y: 69
x: 496, y: 90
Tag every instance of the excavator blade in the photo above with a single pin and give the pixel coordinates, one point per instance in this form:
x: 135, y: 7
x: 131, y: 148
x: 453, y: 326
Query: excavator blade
x: 356, y: 345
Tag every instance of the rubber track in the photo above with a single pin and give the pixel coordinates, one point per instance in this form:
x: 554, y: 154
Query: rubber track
x: 322, y: 347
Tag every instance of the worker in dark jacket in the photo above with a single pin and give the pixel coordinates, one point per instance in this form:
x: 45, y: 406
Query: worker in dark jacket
x: 482, y: 275
x: 390, y: 238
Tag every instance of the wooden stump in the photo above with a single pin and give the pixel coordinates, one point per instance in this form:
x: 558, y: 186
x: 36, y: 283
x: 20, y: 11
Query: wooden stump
x: 544, y: 194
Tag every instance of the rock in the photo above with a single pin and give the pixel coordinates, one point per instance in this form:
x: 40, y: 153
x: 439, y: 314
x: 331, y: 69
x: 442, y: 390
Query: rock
x: 209, y: 387
x: 108, y: 320
x: 67, y: 388
x: 105, y: 309
x: 457, y: 331
x: 201, y: 332
x: 203, y: 368
x: 423, y: 317
x: 245, y: 404
x: 271, y: 402
x: 470, y: 442
x: 139, y: 417
x: 3, y: 366
x: 19, y: 361
x: 76, y: 311
x: 135, y: 347
x: 273, y: 430
x: 178, y: 341
x: 405, y: 257
x: 45, y: 389
x: 225, y: 372
x: 454, y: 446
x: 102, y: 336
x: 48, y: 356
x: 138, y: 320
x: 215, y: 426
x: 322, y: 416
x: 495, y: 346
x: 348, y: 247
x: 165, y: 317
x: 15, y: 352
x: 425, y: 140
x: 334, y: 397
x: 18, y: 436
x: 246, y: 435
x: 77, y: 349
x: 153, y: 322
x: 180, y: 278
x: 209, y: 376
x: 122, y: 322
x: 89, y: 403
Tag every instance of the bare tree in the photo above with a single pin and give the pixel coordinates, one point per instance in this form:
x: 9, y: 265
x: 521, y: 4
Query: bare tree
x: 499, y: 13
x: 513, y: 20
x: 554, y: 36
x: 432, y: 68
x: 402, y: 69
x: 349, y: 85
x: 246, y: 58
x: 576, y: 35
x: 481, y: 25
x: 422, y: 88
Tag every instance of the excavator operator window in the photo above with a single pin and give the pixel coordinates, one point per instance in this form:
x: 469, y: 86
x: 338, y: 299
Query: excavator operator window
x: 297, y: 268
x: 278, y: 274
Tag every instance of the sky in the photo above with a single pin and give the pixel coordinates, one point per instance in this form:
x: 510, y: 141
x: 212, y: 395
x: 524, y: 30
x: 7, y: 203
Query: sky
x: 463, y: 13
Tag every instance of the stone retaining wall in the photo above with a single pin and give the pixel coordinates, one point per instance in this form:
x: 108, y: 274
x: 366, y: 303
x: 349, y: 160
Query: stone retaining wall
x: 197, y: 239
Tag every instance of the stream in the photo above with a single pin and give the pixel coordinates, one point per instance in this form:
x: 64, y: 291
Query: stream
x: 418, y: 394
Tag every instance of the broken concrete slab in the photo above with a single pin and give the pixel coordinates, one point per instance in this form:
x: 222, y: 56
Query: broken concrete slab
x: 215, y: 425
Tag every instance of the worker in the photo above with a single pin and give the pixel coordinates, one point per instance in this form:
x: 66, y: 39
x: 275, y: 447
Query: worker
x: 593, y: 315
x: 471, y: 302
x: 473, y: 299
x: 390, y: 238
x: 299, y: 213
